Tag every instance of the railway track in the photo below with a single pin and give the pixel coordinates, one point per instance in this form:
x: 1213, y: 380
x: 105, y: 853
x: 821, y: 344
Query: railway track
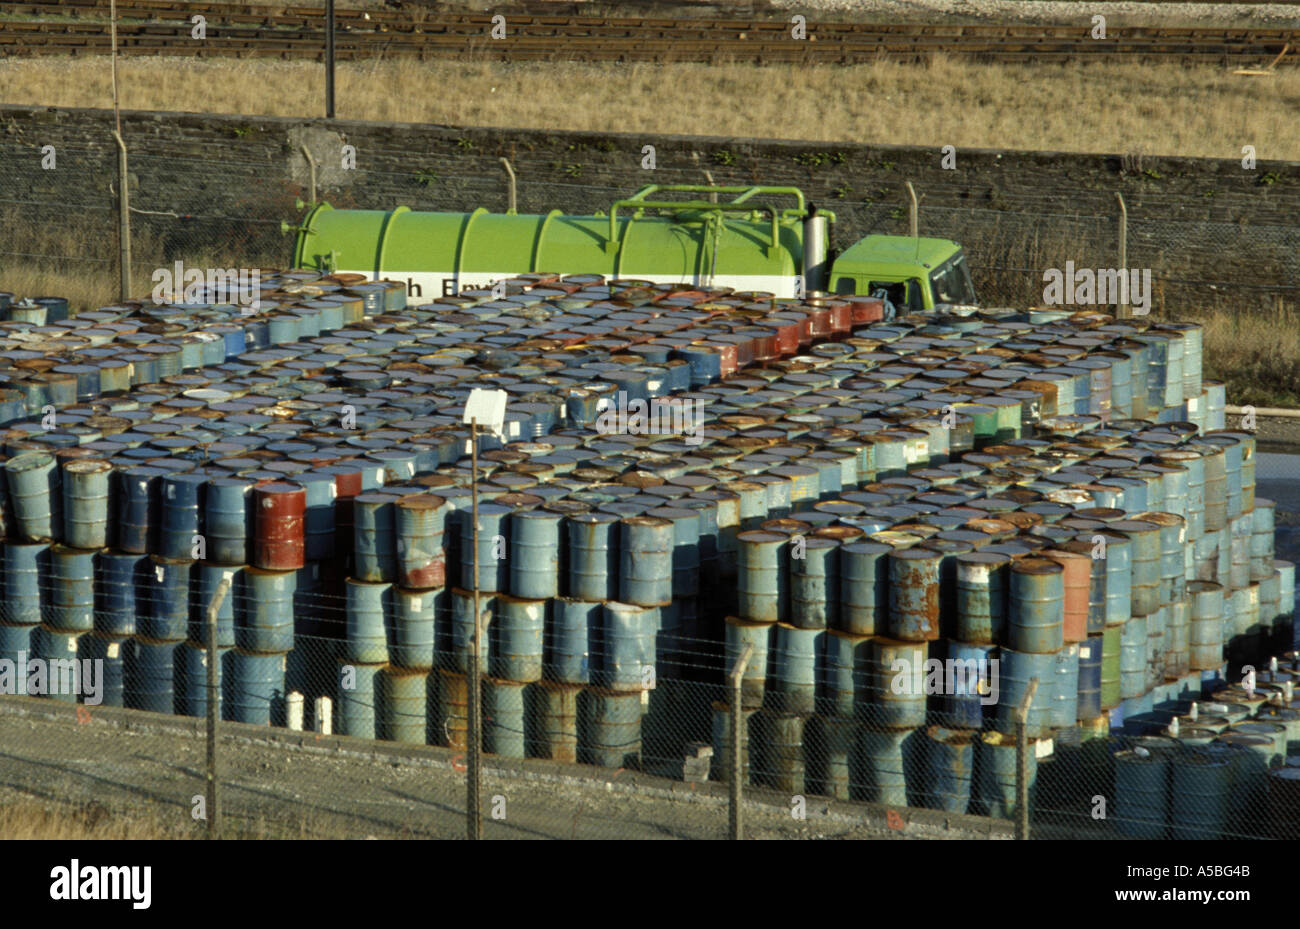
x: 297, y: 33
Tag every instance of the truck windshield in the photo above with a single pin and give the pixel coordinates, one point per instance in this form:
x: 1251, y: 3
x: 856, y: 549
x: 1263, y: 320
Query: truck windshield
x: 951, y: 282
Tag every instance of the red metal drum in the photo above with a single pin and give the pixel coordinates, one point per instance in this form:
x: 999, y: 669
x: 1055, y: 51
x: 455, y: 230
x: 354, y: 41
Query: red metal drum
x: 279, y: 526
x: 728, y: 354
x: 866, y: 310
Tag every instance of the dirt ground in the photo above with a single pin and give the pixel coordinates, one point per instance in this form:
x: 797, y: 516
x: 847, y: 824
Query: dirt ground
x: 277, y: 784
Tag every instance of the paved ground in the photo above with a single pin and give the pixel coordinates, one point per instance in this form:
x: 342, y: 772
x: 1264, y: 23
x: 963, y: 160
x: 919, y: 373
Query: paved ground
x: 289, y: 785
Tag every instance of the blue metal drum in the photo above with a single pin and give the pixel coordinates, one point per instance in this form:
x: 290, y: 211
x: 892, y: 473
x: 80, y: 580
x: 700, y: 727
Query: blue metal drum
x: 1089, y: 689
x: 71, y: 598
x: 592, y: 540
x: 356, y: 714
x: 26, y: 570
x: 264, y: 613
x: 256, y: 692
x: 109, y: 652
x: 414, y: 630
x: 192, y: 678
x: 516, y: 638
x: 228, y: 520
x: 182, y: 514
x: 120, y: 593
x: 57, y: 674
x: 792, y: 684
x: 150, y: 675
x: 567, y: 655
x: 35, y: 494
x: 493, y: 567
x: 375, y: 537
x: 85, y: 503
x: 1015, y: 671
x: 167, y: 618
x: 403, y: 705
x: 534, y: 568
x: 368, y: 608
x: 864, y: 587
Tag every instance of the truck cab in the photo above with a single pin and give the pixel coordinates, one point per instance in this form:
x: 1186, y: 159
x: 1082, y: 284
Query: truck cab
x: 915, y: 275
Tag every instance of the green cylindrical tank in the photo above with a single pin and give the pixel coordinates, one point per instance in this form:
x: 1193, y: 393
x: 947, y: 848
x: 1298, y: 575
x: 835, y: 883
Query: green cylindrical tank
x: 750, y: 242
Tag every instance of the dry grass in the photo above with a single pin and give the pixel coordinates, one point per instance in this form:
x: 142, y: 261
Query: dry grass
x: 1256, y: 354
x: 28, y: 820
x: 1114, y: 108
x: 92, y: 821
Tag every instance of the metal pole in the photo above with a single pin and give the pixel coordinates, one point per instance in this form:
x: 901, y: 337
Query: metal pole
x: 311, y: 164
x: 214, y: 795
x: 123, y: 220
x: 123, y: 197
x: 1123, y: 250
x: 1022, y: 761
x: 329, y: 59
x: 112, y: 25
x: 736, y: 818
x: 473, y: 807
x: 913, y: 212
x: 510, y: 171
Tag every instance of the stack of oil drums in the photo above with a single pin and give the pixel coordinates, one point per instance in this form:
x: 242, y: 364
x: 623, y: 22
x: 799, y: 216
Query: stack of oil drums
x: 880, y: 511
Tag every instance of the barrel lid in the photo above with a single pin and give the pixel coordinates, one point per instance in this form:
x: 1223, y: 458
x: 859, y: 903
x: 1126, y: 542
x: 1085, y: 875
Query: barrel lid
x: 866, y: 548
x: 279, y: 487
x: 1190, y: 758
x: 1241, y: 738
x: 647, y: 521
x: 88, y: 466
x: 1161, y: 519
x: 1039, y: 566
x: 916, y: 554
x: 29, y: 461
x: 1255, y: 727
x: 984, y: 557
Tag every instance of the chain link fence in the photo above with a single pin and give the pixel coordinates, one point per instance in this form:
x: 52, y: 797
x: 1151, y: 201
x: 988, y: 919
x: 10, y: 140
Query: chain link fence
x: 625, y: 738
x: 244, y: 213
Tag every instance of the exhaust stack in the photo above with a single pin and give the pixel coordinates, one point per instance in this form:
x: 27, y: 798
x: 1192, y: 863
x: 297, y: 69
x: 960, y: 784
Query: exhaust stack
x: 816, y: 272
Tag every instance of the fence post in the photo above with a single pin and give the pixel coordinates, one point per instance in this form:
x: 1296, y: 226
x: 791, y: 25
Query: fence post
x: 1022, y: 761
x: 311, y: 165
x: 123, y: 220
x: 1123, y: 309
x: 474, y: 776
x: 913, y: 212
x: 505, y: 163
x: 736, y: 818
x: 214, y: 695
x: 123, y: 202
